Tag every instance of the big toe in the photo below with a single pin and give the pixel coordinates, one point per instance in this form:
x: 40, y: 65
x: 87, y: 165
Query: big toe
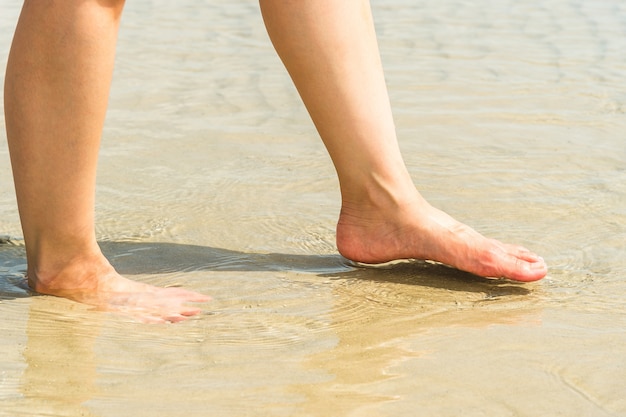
x: 525, y: 269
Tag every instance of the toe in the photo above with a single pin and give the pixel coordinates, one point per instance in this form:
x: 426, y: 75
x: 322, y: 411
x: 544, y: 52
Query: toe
x: 528, y: 271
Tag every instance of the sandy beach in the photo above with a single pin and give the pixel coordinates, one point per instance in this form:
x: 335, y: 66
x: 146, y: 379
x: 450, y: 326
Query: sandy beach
x: 511, y: 117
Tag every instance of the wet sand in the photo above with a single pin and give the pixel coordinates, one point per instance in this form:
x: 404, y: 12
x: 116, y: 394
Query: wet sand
x: 511, y: 118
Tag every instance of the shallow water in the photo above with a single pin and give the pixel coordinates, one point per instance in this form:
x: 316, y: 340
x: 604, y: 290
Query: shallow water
x: 511, y: 118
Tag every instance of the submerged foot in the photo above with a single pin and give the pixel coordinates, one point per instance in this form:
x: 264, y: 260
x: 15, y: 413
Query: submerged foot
x: 97, y: 284
x: 378, y: 233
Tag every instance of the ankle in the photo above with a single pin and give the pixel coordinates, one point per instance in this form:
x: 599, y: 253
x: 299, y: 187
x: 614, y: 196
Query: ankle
x: 49, y: 274
x: 380, y: 196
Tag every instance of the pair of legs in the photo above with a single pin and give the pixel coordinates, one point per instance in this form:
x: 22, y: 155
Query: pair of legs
x: 56, y: 91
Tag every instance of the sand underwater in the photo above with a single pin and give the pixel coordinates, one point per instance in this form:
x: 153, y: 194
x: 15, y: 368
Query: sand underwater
x: 511, y: 117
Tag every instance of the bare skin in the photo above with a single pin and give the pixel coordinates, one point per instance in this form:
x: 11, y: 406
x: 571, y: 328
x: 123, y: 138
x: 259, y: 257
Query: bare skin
x: 56, y: 90
x: 331, y: 53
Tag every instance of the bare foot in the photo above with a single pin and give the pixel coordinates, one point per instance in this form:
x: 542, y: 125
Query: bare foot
x: 96, y: 283
x: 413, y: 229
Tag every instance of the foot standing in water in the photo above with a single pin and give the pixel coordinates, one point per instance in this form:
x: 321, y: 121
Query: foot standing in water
x: 56, y: 90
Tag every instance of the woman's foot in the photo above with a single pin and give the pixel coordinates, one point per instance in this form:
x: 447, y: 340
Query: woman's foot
x: 413, y: 229
x: 93, y: 281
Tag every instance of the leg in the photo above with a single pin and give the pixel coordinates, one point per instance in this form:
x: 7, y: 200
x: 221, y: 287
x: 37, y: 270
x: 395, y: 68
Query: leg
x: 56, y: 90
x: 329, y: 48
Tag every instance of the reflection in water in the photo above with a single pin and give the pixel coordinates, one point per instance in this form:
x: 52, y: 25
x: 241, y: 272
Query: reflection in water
x: 376, y: 312
x: 59, y: 373
x: 61, y: 369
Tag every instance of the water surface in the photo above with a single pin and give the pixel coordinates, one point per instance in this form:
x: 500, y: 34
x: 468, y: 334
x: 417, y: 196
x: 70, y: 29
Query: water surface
x: 511, y: 118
